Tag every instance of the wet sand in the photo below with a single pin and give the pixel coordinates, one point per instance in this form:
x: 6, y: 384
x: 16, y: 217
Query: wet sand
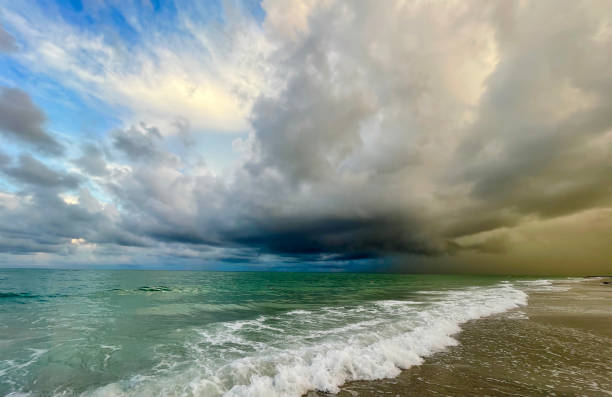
x: 558, y: 345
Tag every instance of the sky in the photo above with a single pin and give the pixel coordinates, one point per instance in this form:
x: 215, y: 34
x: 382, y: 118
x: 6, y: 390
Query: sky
x: 322, y: 135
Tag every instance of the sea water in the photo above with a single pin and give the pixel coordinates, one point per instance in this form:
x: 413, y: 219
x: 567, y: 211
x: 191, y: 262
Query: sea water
x: 180, y: 333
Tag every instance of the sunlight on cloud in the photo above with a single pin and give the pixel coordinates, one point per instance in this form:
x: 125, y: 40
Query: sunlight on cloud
x: 9, y: 201
x: 289, y: 19
x: 210, y: 79
x: 70, y: 199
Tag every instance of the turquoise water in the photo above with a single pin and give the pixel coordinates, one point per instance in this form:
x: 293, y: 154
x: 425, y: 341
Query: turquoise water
x: 146, y: 333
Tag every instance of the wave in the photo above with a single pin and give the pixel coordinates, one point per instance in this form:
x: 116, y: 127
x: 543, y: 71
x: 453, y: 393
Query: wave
x: 29, y: 295
x: 155, y: 288
x: 292, y: 353
x: 17, y: 295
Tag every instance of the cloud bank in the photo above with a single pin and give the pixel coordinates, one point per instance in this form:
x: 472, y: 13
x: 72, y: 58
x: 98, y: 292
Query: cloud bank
x: 427, y: 135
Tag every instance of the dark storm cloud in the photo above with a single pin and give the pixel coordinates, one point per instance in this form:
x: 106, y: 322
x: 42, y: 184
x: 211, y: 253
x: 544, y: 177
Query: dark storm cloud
x: 22, y: 120
x: 382, y: 143
x: 385, y: 112
x: 335, y: 238
x: 7, y: 42
x: 203, y: 211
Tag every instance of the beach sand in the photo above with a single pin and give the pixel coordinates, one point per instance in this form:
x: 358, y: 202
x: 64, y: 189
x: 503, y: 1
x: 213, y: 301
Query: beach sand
x: 560, y: 344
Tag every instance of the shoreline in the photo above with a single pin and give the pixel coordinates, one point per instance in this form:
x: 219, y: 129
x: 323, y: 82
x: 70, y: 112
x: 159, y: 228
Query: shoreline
x: 560, y: 343
x: 462, y: 337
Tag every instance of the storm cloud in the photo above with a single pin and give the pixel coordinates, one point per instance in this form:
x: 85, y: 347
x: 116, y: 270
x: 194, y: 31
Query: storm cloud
x: 441, y: 131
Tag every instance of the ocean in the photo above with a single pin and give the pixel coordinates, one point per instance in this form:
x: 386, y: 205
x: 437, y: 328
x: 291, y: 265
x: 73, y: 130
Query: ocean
x: 184, y: 333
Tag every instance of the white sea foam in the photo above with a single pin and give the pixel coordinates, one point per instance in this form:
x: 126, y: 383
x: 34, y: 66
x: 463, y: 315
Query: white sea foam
x: 557, y: 285
x: 320, y: 349
x: 11, y: 365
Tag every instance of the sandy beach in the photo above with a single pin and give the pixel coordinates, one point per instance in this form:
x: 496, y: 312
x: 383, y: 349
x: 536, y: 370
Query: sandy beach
x: 560, y: 344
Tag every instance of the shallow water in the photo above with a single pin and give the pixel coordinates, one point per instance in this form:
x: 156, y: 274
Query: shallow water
x: 147, y: 333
